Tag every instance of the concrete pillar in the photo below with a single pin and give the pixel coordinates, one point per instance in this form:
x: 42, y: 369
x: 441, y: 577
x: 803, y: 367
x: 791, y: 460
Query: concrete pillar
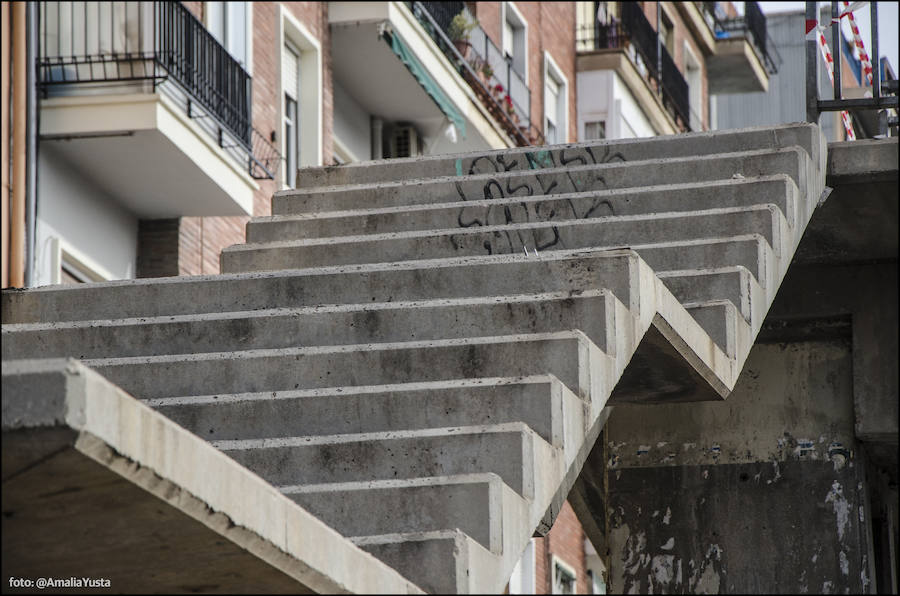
x: 764, y: 492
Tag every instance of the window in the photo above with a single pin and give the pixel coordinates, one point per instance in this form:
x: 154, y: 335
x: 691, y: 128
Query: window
x: 667, y: 32
x: 595, y: 130
x: 68, y: 268
x: 300, y: 90
x: 290, y: 82
x: 229, y: 23
x: 563, y: 578
x: 515, y: 39
x: 556, y: 100
x: 694, y: 78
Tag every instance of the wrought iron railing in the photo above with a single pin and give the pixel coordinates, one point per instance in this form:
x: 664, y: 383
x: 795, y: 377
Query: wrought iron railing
x: 636, y: 36
x: 108, y: 42
x: 504, y: 91
x: 753, y: 23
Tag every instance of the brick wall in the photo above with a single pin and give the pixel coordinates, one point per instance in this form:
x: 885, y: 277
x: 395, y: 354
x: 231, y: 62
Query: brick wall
x: 551, y: 27
x: 566, y: 541
x: 201, y: 239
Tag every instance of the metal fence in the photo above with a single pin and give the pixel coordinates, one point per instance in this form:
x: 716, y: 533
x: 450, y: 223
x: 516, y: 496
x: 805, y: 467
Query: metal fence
x: 504, y: 81
x: 753, y: 23
x: 108, y: 42
x: 634, y: 31
x: 883, y: 97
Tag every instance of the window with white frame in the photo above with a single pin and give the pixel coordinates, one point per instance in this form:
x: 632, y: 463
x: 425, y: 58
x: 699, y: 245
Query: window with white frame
x: 694, y: 78
x: 290, y: 82
x: 68, y: 268
x: 556, y: 99
x: 563, y: 578
x: 594, y: 130
x: 300, y: 89
x: 514, y: 39
x: 229, y: 23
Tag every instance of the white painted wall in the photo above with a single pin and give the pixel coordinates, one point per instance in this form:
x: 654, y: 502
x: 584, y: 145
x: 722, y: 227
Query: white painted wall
x: 88, y: 223
x: 602, y: 95
x: 630, y: 115
x: 351, y: 124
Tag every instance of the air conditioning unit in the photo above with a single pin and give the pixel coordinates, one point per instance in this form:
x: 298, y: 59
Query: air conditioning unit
x: 405, y: 141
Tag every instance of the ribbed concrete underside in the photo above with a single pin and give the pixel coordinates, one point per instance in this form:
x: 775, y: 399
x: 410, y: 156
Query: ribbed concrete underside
x: 421, y: 353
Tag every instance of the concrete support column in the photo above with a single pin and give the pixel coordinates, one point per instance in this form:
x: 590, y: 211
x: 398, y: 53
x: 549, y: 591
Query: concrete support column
x: 765, y: 492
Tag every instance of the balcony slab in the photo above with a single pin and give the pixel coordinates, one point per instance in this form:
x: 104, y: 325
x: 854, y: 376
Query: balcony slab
x: 145, y: 151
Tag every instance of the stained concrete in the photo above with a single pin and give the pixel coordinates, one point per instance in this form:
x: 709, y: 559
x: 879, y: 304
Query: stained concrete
x: 96, y: 484
x: 790, y: 485
x: 657, y: 343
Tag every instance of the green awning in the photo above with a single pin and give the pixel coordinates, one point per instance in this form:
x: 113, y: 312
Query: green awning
x: 428, y: 83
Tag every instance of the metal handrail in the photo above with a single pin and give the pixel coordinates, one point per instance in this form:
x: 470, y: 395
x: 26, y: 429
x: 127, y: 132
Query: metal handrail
x: 634, y: 31
x: 104, y: 42
x: 753, y: 23
x: 524, y: 134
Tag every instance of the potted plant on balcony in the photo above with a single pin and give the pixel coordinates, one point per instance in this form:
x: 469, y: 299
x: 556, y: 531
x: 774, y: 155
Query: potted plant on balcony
x: 486, y: 72
x: 459, y: 30
x: 510, y: 109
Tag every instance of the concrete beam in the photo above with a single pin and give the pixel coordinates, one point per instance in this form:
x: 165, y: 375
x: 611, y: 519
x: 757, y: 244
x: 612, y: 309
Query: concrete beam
x: 97, y: 484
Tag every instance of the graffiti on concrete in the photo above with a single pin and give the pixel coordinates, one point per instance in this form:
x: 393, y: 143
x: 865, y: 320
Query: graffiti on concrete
x: 536, y: 184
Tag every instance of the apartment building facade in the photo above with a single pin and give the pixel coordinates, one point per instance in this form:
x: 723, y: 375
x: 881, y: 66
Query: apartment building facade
x: 172, y: 123
x: 164, y: 126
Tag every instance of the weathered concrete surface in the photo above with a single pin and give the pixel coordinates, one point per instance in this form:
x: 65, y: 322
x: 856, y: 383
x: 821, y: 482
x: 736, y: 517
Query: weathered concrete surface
x: 753, y: 528
x: 757, y: 494
x: 671, y: 317
x: 96, y: 484
x: 778, y: 189
x: 613, y: 231
x: 792, y: 161
x: 858, y: 222
x: 697, y: 143
x: 790, y: 485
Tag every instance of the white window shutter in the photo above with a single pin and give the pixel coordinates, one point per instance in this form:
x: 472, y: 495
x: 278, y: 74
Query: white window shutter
x: 290, y: 65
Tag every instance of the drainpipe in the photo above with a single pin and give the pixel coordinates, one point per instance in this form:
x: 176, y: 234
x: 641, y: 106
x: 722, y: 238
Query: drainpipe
x: 17, y: 217
x: 31, y: 148
x: 4, y: 135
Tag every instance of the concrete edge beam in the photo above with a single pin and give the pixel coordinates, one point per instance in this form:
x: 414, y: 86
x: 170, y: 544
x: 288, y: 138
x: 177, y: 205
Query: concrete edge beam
x: 116, y: 430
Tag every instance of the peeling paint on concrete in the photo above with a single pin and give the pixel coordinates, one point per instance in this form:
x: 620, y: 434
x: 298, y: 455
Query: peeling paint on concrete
x: 841, y: 508
x: 662, y: 569
x: 708, y: 583
x: 711, y: 522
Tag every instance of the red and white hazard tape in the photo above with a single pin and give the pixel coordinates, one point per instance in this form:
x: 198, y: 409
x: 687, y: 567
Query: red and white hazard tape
x: 813, y: 28
x: 829, y: 63
x: 857, y: 40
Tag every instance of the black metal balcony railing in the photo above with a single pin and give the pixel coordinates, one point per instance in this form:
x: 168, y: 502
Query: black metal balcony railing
x: 514, y: 114
x: 637, y: 37
x: 753, y: 23
x: 93, y: 42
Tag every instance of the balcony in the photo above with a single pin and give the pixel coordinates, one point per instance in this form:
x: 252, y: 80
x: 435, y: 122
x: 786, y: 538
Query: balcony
x: 145, y: 102
x: 499, y: 87
x: 602, y: 46
x: 744, y: 56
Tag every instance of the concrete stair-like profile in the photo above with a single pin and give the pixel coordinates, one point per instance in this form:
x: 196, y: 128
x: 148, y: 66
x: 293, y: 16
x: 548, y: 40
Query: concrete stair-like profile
x: 421, y: 353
